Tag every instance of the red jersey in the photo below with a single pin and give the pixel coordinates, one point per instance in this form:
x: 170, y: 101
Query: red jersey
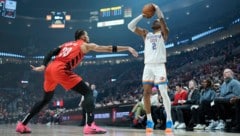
x: 60, y: 71
x: 182, y: 95
x: 71, y: 53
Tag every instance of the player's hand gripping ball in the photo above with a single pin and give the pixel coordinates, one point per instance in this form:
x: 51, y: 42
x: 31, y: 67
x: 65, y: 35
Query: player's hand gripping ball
x: 148, y: 10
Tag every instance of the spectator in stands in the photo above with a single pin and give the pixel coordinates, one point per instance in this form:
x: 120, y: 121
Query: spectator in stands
x: 207, y: 95
x: 216, y: 88
x: 95, y: 93
x: 136, y: 112
x: 139, y: 109
x: 185, y: 107
x: 236, y: 125
x: 170, y: 94
x: 229, y: 89
x: 159, y: 115
x: 179, y: 97
x: 155, y: 104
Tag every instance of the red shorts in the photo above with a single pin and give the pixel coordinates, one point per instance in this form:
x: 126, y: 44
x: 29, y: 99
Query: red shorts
x: 56, y: 73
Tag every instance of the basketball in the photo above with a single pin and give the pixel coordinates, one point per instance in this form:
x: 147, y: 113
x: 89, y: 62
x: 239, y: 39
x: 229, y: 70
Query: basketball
x: 148, y: 10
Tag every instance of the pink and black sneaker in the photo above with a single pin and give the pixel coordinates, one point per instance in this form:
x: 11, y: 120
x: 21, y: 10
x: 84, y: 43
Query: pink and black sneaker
x: 93, y: 129
x: 22, y: 128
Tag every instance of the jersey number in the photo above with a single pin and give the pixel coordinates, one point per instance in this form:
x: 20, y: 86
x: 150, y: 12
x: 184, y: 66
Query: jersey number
x: 154, y: 46
x: 65, y: 51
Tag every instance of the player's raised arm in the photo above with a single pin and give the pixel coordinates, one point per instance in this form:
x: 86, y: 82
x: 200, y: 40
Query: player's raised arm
x: 109, y: 48
x: 147, y: 12
x: 163, y: 24
x: 132, y: 26
x: 165, y: 29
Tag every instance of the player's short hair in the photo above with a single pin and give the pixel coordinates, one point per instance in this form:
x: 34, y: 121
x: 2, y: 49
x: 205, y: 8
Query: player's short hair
x: 79, y: 33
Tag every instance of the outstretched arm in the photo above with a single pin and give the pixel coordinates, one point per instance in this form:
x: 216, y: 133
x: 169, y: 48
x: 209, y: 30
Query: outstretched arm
x: 109, y: 48
x: 163, y: 24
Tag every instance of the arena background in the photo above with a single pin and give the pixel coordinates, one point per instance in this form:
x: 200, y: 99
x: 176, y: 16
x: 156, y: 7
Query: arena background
x: 202, y: 33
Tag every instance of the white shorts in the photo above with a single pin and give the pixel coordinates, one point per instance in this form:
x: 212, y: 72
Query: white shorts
x: 154, y: 74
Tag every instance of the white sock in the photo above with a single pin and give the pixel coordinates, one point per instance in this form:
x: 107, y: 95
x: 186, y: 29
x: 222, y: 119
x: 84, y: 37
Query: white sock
x: 149, y: 117
x: 166, y: 100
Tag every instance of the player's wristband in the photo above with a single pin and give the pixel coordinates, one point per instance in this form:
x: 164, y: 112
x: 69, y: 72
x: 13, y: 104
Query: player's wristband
x: 114, y: 48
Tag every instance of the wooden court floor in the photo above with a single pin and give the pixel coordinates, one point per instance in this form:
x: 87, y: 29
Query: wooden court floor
x: 62, y: 130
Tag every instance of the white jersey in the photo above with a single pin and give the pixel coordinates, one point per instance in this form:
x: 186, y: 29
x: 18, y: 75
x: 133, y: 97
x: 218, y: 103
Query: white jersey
x: 154, y: 49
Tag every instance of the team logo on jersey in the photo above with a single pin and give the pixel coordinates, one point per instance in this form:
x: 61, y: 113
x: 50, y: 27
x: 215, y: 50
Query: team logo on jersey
x: 163, y: 79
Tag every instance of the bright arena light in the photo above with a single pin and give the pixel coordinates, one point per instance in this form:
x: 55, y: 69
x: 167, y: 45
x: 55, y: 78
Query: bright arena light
x: 110, y: 23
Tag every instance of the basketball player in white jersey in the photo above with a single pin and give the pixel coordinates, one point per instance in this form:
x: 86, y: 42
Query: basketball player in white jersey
x: 154, y: 58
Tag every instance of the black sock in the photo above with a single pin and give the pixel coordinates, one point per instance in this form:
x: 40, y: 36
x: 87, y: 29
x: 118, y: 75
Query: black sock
x: 90, y: 118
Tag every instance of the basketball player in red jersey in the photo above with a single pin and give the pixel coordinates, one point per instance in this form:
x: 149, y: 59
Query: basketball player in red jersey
x: 59, y: 71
